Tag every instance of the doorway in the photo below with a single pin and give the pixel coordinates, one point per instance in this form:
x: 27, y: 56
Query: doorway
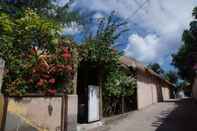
x: 88, y: 94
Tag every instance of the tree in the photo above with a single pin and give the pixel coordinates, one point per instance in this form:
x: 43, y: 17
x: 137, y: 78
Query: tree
x: 183, y: 85
x: 44, y: 8
x: 156, y: 68
x: 194, y: 13
x: 98, y: 48
x: 37, y: 59
x: 172, y: 77
x: 186, y: 58
x: 98, y: 51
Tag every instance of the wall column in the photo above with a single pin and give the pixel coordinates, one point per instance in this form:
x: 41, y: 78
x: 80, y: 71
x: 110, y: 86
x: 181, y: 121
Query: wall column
x: 71, y: 112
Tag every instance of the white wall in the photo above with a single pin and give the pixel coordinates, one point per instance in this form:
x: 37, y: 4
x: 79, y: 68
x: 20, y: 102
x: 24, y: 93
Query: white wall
x: 147, y: 90
x: 165, y: 93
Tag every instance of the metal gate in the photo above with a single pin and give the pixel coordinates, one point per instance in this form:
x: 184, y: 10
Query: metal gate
x: 93, y: 103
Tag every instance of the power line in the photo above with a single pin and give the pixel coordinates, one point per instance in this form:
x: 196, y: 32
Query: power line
x: 140, y: 6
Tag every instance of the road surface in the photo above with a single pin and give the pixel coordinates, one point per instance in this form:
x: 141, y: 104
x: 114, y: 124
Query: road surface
x: 173, y: 115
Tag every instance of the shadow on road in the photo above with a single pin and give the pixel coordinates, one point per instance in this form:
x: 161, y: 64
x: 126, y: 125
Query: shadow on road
x: 182, y: 118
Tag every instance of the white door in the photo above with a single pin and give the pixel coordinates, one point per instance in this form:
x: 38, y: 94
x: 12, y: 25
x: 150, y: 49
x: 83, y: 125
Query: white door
x: 93, y: 103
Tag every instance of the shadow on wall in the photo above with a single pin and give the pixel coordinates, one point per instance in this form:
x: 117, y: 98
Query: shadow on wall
x: 182, y: 118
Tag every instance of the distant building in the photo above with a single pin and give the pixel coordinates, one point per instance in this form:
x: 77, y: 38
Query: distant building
x: 151, y: 87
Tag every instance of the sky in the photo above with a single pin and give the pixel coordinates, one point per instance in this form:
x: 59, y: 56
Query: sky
x: 155, y: 26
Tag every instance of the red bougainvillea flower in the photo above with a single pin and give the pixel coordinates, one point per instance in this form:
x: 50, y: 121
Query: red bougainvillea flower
x: 52, y: 81
x: 66, y: 56
x: 66, y: 53
x: 34, y: 50
x: 40, y: 83
x: 65, y: 50
x: 52, y: 91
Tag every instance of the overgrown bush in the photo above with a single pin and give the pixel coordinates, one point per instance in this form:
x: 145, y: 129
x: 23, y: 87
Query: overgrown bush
x: 119, y: 84
x: 37, y: 60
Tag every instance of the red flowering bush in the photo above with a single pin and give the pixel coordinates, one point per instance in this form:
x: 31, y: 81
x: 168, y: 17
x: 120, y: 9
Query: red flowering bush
x: 52, y: 72
x: 37, y: 58
x: 49, y: 73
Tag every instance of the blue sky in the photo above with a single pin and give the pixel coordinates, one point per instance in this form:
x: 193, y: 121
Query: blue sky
x: 155, y: 26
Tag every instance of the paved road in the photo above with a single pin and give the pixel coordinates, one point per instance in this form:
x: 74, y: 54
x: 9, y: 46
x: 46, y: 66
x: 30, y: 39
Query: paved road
x: 174, y: 115
x: 15, y: 123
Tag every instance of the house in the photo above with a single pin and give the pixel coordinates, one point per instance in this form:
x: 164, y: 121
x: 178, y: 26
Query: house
x: 151, y: 87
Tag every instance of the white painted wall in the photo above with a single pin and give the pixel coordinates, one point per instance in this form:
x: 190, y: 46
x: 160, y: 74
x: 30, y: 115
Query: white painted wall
x: 165, y: 93
x: 146, y: 90
x: 150, y: 90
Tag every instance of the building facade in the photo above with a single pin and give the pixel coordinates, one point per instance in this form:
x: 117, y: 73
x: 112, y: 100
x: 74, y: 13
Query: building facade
x: 151, y: 87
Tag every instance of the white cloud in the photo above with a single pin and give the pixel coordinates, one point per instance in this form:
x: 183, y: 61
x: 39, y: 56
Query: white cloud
x: 164, y: 19
x: 60, y: 2
x: 72, y: 28
x: 144, y: 48
x: 98, y: 15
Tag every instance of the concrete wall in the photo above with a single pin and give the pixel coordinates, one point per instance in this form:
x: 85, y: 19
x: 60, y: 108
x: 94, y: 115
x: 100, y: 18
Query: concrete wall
x: 154, y: 90
x: 165, y: 93
x: 144, y: 93
x: 42, y: 114
x: 71, y: 113
x: 159, y: 91
x: 148, y: 90
x: 194, y: 89
x: 34, y: 114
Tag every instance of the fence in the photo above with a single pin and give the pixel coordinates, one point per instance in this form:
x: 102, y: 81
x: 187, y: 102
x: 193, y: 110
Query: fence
x: 117, y: 105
